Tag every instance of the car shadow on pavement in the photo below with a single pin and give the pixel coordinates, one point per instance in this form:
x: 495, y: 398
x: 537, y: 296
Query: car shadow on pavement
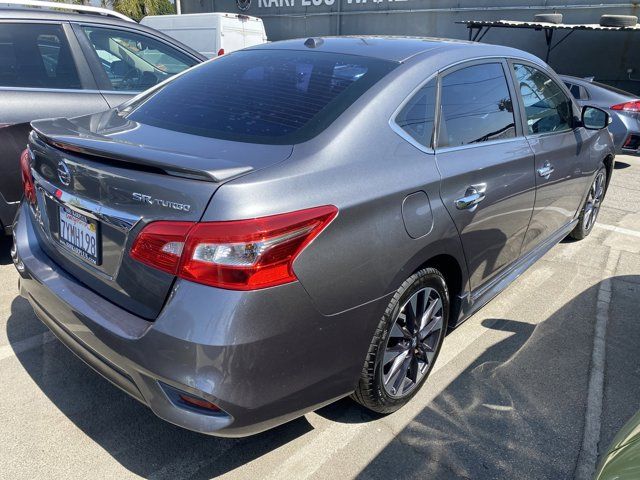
x: 6, y: 241
x: 126, y: 429
x: 517, y: 411
x: 618, y: 165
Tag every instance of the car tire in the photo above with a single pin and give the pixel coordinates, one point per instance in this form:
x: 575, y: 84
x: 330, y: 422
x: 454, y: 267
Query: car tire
x: 548, y: 18
x: 618, y: 20
x: 382, y: 389
x: 591, y: 206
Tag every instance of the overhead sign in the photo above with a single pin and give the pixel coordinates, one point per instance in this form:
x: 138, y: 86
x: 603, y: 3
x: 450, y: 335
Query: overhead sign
x: 308, y: 3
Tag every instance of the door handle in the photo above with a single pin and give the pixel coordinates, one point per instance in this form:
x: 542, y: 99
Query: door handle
x: 472, y: 197
x: 545, y: 170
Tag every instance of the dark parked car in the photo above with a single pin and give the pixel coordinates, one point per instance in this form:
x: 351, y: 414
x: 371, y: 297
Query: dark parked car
x: 622, y: 460
x: 55, y: 64
x: 623, y: 107
x: 293, y: 223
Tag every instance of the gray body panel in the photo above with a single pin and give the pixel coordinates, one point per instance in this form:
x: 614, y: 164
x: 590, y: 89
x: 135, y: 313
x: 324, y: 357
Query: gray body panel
x: 267, y: 356
x: 22, y: 105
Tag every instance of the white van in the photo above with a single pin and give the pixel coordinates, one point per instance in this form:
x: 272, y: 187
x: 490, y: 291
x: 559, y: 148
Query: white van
x: 211, y: 34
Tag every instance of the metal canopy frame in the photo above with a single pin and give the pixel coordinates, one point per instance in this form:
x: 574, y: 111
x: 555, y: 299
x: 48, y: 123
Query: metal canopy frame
x: 479, y: 28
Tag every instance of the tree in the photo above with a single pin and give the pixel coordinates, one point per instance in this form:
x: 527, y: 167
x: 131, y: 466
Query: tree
x: 137, y: 9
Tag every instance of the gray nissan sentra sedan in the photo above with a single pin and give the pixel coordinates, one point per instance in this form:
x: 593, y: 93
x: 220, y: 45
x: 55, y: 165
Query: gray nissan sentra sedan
x: 301, y: 221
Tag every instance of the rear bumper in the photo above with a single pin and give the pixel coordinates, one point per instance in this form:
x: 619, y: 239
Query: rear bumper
x: 264, y: 357
x: 631, y: 144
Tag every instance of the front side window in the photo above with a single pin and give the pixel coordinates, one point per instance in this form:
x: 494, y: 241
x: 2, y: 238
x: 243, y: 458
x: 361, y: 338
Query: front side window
x: 417, y: 117
x: 475, y: 106
x: 261, y: 96
x: 36, y: 56
x: 548, y: 109
x: 134, y: 62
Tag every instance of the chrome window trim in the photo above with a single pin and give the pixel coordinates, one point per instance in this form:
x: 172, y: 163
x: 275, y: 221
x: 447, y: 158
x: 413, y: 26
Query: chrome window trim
x: 398, y: 129
x: 49, y: 90
x: 4, y: 88
x: 479, y: 144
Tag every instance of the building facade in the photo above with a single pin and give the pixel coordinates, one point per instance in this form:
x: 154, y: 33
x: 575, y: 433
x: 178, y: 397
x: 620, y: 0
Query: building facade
x: 612, y: 57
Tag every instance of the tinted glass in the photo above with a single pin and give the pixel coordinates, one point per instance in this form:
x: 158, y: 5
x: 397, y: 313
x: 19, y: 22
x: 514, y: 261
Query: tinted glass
x: 548, y: 109
x: 134, y: 62
x: 36, y: 56
x: 475, y: 106
x: 417, y: 116
x: 261, y: 96
x: 574, y: 89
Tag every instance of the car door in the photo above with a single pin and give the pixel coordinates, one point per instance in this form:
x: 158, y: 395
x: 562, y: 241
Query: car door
x: 559, y: 147
x: 126, y: 62
x: 488, y: 184
x: 42, y: 75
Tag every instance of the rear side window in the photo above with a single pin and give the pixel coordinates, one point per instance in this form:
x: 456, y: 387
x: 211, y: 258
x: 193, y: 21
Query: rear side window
x: 36, y: 56
x: 417, y: 117
x: 134, y: 62
x: 548, y: 109
x: 476, y: 106
x: 261, y: 96
x: 577, y: 92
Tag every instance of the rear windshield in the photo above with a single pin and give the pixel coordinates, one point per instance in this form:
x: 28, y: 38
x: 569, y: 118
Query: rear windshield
x: 261, y: 96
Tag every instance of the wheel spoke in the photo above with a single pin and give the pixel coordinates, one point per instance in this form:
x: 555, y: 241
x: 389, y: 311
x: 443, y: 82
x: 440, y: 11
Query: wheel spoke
x: 398, y: 331
x: 411, y: 310
x: 434, y: 307
x: 392, y: 353
x: 414, y: 370
x: 433, y: 326
x: 401, y: 376
x: 396, y: 366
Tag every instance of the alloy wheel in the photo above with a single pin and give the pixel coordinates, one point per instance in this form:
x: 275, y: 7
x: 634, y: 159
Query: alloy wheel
x: 594, y: 200
x: 413, y: 342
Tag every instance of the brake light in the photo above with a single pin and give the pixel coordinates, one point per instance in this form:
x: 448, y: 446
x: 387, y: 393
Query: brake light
x: 160, y: 245
x: 632, y: 106
x: 237, y: 255
x: 28, y: 186
x: 221, y: 52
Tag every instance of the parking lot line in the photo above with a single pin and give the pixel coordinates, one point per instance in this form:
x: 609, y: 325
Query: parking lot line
x: 613, y: 228
x: 588, y: 456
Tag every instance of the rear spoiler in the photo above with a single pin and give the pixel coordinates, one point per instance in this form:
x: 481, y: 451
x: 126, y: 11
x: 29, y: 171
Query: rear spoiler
x: 62, y: 134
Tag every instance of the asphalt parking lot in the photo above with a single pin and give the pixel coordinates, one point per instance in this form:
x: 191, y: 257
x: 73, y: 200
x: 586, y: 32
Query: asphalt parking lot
x: 533, y: 386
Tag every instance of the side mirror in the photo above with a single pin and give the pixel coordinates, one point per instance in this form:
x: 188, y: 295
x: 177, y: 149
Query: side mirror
x: 595, y: 118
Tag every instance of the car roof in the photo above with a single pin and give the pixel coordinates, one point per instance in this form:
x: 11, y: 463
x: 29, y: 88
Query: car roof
x: 69, y: 16
x: 392, y: 48
x: 38, y: 14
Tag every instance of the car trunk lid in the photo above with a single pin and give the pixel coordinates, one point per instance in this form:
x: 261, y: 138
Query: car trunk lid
x: 100, y: 179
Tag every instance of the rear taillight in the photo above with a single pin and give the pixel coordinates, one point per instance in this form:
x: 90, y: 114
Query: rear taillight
x: 160, y: 245
x: 27, y: 179
x: 238, y: 255
x: 632, y: 106
x: 221, y: 52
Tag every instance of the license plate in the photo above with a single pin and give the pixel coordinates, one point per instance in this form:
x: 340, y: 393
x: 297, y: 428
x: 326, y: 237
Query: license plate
x: 80, y: 234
